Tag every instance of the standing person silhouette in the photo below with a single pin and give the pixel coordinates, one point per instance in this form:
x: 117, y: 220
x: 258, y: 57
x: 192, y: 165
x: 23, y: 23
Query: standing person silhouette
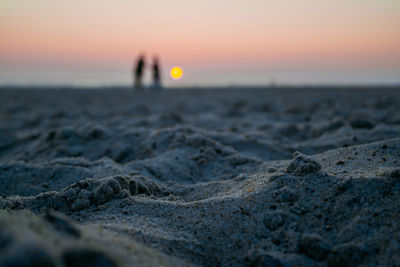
x: 156, y: 74
x: 139, y: 72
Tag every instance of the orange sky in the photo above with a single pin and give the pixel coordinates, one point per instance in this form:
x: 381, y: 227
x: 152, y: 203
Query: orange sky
x: 201, y: 34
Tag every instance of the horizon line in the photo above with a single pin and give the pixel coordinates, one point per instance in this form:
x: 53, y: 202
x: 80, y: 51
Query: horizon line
x: 228, y: 86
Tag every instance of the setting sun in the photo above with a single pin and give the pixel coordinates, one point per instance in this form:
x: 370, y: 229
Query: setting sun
x: 176, y: 73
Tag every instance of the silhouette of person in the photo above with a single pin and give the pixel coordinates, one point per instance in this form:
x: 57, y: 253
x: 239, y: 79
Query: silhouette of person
x: 156, y: 74
x: 139, y: 72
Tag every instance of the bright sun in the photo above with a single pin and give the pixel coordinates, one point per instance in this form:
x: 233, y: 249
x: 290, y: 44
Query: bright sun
x: 176, y: 73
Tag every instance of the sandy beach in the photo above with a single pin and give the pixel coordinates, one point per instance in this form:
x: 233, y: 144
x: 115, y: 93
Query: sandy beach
x: 200, y: 177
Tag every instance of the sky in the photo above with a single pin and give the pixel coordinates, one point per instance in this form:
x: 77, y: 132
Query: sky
x: 215, y: 42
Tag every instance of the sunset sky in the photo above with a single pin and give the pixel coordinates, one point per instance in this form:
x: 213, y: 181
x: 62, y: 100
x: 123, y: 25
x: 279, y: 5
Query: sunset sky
x: 218, y: 42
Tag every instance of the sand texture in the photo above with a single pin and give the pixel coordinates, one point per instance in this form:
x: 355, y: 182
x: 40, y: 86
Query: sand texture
x: 228, y: 177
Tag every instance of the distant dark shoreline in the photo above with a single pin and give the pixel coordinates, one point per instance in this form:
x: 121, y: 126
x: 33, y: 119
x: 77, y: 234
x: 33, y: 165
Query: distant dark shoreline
x: 234, y: 87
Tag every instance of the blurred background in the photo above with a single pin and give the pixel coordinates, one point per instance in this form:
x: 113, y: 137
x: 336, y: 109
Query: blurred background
x: 216, y: 43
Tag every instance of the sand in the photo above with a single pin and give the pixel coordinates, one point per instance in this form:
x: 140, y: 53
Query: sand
x: 226, y: 177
